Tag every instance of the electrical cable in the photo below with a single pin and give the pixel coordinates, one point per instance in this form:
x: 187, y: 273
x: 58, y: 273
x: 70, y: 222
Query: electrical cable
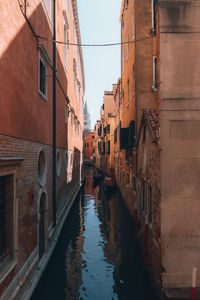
x: 94, y: 45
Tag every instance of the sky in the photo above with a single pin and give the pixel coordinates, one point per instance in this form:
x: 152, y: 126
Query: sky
x: 99, y: 23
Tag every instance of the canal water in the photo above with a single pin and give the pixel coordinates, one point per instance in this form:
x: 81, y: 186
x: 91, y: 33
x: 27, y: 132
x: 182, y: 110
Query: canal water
x: 96, y: 257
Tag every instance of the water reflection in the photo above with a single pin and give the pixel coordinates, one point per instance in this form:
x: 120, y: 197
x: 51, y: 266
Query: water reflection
x: 96, y: 257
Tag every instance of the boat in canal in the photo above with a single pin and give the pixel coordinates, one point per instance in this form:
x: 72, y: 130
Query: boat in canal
x: 109, y: 184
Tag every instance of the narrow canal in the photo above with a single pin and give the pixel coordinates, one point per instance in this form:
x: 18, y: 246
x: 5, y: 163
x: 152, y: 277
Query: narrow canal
x: 96, y: 257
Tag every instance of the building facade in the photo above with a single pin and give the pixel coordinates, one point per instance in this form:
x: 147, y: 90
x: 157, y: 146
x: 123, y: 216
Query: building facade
x: 166, y: 119
x: 41, y: 135
x: 104, y: 154
x: 89, y: 145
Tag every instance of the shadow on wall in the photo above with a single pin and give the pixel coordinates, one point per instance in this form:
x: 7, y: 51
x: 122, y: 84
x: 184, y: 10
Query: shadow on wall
x: 24, y: 113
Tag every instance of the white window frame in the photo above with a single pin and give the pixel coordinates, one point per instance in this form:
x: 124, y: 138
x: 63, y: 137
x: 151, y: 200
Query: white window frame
x: 155, y: 73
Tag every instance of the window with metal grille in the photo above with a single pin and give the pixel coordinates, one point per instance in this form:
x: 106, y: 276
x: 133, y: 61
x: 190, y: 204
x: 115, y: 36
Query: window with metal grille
x: 155, y: 73
x: 43, y: 78
x: 6, y: 218
x: 154, y: 6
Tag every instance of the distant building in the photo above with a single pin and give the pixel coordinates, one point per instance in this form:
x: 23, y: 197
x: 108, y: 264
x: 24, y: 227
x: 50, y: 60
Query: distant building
x: 86, y: 117
x: 104, y: 134
x: 89, y: 144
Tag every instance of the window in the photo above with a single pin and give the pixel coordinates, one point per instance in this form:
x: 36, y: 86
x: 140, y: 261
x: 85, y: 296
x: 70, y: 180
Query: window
x: 127, y: 45
x: 72, y: 120
x: 77, y: 58
x: 115, y: 136
x: 133, y: 26
x: 127, y: 178
x: 75, y: 77
x: 134, y: 86
x: 108, y: 128
x: 87, y: 144
x: 67, y: 8
x: 143, y: 194
x: 66, y: 160
x: 155, y: 73
x: 76, y: 124
x: 154, y: 6
x: 108, y: 150
x: 79, y: 95
x: 123, y: 106
x: 104, y: 146
x: 42, y: 167
x: 128, y: 96
x: 58, y: 163
x: 42, y: 76
x: 134, y: 183
x: 65, y: 41
x: 74, y: 33
x: 72, y: 159
x: 6, y: 219
x: 66, y: 113
x: 48, y: 5
x: 149, y: 203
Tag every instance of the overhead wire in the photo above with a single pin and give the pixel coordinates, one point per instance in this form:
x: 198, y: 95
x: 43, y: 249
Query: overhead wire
x: 94, y: 45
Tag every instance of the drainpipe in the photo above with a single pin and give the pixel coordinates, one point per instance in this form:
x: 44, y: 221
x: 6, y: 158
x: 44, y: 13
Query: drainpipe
x: 54, y: 113
x: 136, y: 102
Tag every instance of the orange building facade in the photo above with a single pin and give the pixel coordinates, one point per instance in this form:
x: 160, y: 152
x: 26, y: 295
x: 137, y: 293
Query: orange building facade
x: 89, y: 145
x: 104, y: 137
x: 41, y: 135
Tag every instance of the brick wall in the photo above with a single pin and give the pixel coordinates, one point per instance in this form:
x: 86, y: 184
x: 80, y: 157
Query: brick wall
x: 28, y: 191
